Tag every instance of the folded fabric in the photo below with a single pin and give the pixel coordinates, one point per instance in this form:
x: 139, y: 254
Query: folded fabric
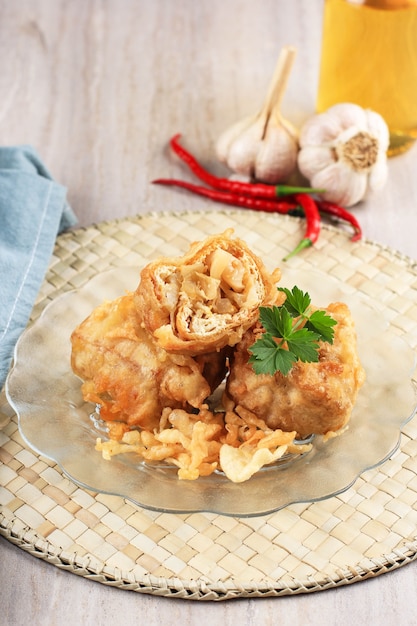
x: 33, y: 210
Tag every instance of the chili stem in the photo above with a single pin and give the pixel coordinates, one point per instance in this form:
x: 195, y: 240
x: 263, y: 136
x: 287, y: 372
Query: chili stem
x: 304, y: 243
x: 313, y: 225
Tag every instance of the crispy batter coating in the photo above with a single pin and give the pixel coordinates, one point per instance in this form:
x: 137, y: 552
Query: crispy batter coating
x: 314, y: 397
x: 129, y: 375
x: 206, y: 299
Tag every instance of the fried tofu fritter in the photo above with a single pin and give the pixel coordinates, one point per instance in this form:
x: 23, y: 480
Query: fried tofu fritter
x: 208, y: 298
x: 129, y: 376
x: 313, y: 397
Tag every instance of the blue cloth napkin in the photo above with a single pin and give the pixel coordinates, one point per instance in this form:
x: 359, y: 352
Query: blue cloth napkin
x: 33, y: 210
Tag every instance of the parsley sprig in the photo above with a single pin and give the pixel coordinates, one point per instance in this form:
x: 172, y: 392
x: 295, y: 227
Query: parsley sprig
x: 292, y: 333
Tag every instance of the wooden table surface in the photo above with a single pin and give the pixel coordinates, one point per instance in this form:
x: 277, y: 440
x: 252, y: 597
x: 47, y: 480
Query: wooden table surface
x: 98, y: 87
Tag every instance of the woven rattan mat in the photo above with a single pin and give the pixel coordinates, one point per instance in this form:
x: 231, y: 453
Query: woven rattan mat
x: 369, y: 529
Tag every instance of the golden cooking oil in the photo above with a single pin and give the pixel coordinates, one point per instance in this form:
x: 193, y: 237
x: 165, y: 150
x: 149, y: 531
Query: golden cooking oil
x: 369, y: 57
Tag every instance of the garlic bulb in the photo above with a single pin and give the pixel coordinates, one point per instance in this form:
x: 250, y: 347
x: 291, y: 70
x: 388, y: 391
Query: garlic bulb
x: 344, y: 151
x: 264, y: 146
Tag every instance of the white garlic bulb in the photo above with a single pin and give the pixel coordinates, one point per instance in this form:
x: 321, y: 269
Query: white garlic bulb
x: 265, y: 152
x: 344, y: 151
x: 264, y: 146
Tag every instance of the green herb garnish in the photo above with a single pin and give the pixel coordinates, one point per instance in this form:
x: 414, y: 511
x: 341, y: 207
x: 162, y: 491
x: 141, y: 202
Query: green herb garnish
x: 292, y: 333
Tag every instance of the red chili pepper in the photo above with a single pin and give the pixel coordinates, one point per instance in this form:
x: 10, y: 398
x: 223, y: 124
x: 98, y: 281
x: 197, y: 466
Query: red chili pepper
x: 258, y: 190
x: 312, y: 232
x: 337, y: 211
x: 227, y: 197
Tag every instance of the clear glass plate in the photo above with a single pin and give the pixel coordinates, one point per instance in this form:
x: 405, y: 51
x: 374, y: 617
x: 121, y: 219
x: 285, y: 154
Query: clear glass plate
x: 55, y: 421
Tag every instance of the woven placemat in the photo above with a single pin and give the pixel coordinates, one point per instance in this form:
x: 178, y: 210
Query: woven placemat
x: 369, y: 529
